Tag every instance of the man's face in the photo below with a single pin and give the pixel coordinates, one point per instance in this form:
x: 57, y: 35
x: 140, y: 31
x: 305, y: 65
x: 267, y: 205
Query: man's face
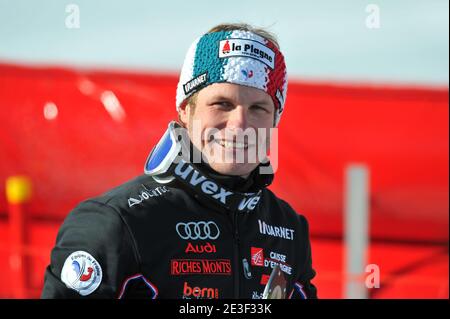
x: 230, y: 124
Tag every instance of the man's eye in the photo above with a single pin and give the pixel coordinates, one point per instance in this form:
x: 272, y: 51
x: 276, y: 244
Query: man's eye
x: 223, y: 104
x: 259, y: 108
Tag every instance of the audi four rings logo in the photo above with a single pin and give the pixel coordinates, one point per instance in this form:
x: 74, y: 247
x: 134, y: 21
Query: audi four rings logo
x: 198, y: 230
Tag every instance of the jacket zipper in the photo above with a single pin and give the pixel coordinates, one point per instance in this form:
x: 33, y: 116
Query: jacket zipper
x: 236, y: 256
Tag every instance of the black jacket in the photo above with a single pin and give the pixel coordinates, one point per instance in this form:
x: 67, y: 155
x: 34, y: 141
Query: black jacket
x: 147, y: 239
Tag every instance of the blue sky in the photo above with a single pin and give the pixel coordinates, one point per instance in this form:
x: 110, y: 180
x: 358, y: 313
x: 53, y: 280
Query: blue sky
x: 321, y: 39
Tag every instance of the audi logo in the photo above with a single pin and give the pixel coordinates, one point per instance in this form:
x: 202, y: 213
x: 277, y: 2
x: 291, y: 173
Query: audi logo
x: 198, y: 230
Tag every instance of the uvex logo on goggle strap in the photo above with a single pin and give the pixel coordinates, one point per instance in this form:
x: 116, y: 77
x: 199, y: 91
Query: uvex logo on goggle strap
x: 189, y: 174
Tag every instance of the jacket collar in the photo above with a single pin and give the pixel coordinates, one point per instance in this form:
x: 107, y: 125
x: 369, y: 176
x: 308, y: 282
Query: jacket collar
x: 169, y: 161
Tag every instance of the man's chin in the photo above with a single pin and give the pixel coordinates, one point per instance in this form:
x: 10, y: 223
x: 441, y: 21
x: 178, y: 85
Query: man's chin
x: 233, y: 169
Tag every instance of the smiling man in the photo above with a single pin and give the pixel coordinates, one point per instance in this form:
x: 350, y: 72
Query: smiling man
x: 200, y: 223
x: 224, y: 121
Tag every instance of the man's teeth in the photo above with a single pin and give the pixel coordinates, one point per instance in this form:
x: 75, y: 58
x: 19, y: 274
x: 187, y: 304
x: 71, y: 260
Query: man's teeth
x: 228, y: 144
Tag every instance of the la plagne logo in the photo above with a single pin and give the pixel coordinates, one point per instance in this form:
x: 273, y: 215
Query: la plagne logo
x: 247, y: 48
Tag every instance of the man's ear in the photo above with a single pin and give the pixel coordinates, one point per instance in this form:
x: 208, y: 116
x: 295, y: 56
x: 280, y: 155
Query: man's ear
x: 183, y: 114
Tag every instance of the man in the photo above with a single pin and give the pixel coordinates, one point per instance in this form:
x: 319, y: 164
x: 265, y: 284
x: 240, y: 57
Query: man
x: 200, y: 223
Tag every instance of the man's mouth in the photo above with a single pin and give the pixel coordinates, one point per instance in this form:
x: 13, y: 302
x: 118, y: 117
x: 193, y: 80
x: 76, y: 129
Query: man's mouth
x: 233, y: 144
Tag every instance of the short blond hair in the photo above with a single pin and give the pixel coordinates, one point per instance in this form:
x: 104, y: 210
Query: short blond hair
x: 246, y: 27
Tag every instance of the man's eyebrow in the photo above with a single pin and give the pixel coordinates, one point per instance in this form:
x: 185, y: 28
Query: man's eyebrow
x: 221, y: 97
x: 264, y: 102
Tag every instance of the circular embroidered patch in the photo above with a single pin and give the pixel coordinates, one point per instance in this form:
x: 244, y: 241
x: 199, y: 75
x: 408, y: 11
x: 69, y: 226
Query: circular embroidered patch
x: 82, y: 273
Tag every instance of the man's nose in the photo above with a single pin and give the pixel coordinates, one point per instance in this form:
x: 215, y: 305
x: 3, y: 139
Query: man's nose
x: 238, y: 118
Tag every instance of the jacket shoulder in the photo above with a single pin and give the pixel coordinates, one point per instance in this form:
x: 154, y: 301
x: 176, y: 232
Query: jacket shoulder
x: 287, y: 210
x: 281, y: 203
x: 131, y: 193
x: 93, y: 232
